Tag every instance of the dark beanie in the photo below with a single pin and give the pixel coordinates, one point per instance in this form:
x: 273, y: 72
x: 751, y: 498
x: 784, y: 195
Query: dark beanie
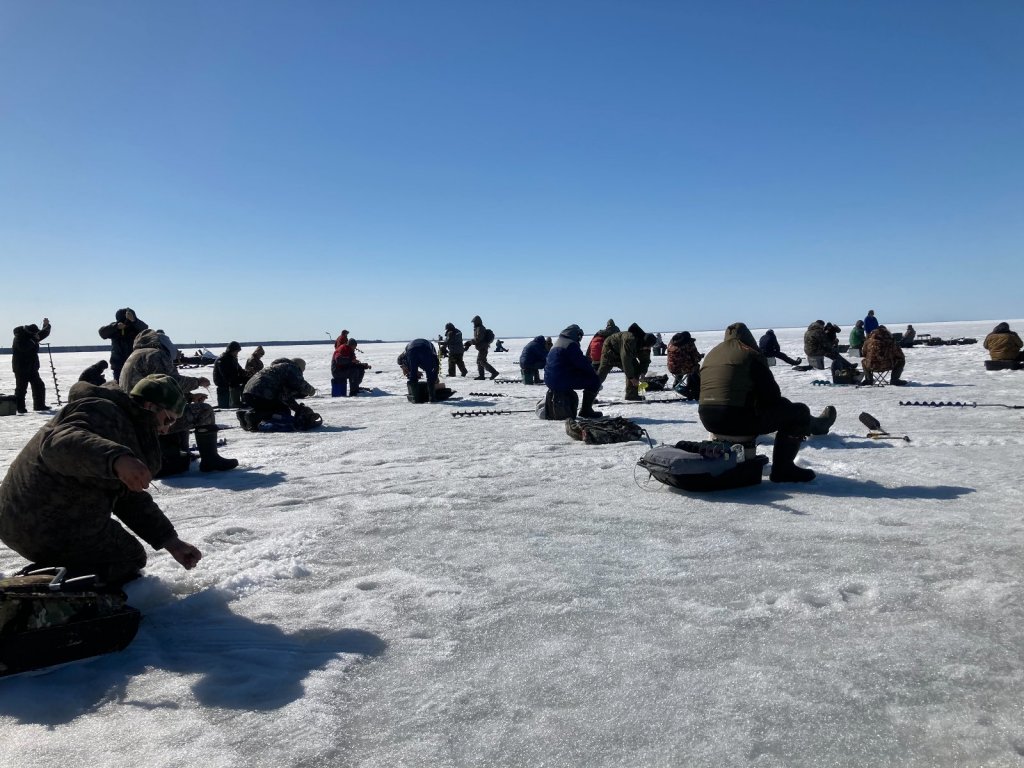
x: 476, y: 320
x: 160, y: 389
x: 234, y: 346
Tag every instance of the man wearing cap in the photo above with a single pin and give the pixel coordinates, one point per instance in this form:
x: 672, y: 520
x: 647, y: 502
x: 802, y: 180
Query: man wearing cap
x: 92, y: 460
x: 155, y: 353
x: 274, y: 391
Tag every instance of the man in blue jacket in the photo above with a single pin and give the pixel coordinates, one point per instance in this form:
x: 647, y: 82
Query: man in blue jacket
x: 566, y: 370
x: 533, y: 357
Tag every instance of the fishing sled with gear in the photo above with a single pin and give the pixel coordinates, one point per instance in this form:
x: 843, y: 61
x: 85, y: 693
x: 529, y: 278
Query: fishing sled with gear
x: 419, y: 392
x: 48, y: 618
x: 708, y: 465
x: 305, y: 419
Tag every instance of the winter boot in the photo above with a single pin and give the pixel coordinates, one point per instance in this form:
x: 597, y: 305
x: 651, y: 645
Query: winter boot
x: 209, y: 459
x: 174, y: 456
x: 481, y: 377
x: 632, y: 392
x: 432, y: 392
x: 783, y: 468
x: 493, y: 371
x: 820, y: 425
x: 413, y: 391
x: 587, y: 409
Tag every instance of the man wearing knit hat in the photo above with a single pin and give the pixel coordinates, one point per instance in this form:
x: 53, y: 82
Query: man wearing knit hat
x: 93, y: 460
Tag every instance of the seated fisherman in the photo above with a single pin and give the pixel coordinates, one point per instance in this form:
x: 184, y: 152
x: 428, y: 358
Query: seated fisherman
x: 882, y: 353
x: 420, y: 355
x: 345, y: 366
x: 532, y: 359
x: 739, y: 397
x: 566, y: 370
x: 275, y: 391
x: 95, y: 459
x: 769, y: 346
x: 1004, y: 344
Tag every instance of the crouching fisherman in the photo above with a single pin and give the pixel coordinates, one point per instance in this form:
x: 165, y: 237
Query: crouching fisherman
x: 92, y: 460
x: 739, y: 397
x: 272, y: 394
x: 566, y: 370
x: 155, y: 353
x: 420, y: 355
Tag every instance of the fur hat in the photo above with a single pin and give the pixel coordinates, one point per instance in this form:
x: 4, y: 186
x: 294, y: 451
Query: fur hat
x: 300, y: 363
x: 160, y: 389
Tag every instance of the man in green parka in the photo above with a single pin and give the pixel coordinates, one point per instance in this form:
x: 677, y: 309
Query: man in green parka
x: 739, y: 396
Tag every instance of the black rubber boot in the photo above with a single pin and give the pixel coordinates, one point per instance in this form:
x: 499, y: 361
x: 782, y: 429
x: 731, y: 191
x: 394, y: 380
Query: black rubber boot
x: 209, y: 459
x: 820, y: 425
x: 432, y: 392
x: 413, y: 391
x: 587, y: 409
x: 481, y: 377
x: 492, y: 370
x: 783, y: 468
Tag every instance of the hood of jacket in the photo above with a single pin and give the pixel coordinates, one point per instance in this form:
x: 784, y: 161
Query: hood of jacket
x: 739, y: 332
x: 637, y: 333
x: 1001, y: 328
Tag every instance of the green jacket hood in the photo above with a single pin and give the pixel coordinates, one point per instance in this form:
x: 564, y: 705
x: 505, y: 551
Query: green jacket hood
x: 739, y: 332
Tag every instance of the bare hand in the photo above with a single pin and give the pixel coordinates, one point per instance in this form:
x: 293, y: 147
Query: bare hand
x: 203, y: 381
x: 184, y: 553
x: 132, y: 472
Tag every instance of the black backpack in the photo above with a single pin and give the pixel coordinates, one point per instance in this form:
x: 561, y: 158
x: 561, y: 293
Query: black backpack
x: 603, y: 431
x: 488, y: 335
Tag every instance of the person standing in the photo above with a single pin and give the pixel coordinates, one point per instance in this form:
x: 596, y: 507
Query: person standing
x: 870, y: 323
x: 454, y: 345
x: 25, y: 363
x: 122, y: 333
x: 482, y: 338
x: 229, y: 377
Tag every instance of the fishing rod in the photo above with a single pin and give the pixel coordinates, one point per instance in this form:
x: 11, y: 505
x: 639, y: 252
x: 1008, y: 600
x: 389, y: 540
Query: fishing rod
x: 56, y: 386
x: 958, y: 404
x: 876, y: 432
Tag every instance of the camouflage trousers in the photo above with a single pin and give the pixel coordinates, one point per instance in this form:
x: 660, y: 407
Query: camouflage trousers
x: 195, y: 415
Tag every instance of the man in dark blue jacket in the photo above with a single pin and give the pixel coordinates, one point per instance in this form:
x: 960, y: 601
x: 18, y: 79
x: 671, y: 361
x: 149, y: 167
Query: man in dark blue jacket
x: 769, y: 346
x: 420, y: 355
x: 566, y: 370
x: 533, y: 357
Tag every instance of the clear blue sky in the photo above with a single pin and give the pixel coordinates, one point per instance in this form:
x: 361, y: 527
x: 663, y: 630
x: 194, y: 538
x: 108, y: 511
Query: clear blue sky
x: 257, y: 170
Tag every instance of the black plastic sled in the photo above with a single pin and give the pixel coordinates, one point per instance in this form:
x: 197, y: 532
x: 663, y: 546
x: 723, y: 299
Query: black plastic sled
x: 46, y: 620
x: 707, y: 466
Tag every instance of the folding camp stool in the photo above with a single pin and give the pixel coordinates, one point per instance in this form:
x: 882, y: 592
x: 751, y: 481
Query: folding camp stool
x: 879, y: 378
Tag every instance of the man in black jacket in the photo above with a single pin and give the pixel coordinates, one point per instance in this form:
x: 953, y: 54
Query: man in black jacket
x: 25, y: 362
x: 122, y: 333
x: 229, y: 377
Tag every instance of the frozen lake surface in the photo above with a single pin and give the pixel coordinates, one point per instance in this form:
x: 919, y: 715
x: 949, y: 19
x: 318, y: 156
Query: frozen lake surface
x: 402, y: 588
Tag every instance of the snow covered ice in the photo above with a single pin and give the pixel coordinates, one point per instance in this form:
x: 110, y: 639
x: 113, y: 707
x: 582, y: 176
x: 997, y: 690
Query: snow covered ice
x: 401, y: 588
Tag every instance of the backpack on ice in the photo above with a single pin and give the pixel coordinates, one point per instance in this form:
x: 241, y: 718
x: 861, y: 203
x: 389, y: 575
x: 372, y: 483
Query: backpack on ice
x: 47, y: 620
x: 655, y: 383
x: 603, y: 431
x: 710, y: 465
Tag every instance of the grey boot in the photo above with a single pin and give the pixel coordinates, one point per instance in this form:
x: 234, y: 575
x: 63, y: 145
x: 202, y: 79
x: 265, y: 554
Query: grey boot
x: 414, y: 391
x: 820, y: 425
x: 209, y: 459
x: 587, y: 409
x: 783, y: 456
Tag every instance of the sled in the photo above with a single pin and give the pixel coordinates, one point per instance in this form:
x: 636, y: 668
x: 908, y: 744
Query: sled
x: 711, y: 465
x: 48, y: 619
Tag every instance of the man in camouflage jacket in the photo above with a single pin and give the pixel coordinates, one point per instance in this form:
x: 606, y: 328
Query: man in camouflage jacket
x: 454, y: 344
x: 154, y: 353
x: 274, y: 390
x: 623, y: 350
x: 92, y: 460
x: 882, y: 353
x: 482, y: 341
x: 817, y: 345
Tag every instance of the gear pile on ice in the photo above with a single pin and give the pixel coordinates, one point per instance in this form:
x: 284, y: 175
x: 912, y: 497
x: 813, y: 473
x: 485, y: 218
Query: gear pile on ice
x: 603, y: 431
